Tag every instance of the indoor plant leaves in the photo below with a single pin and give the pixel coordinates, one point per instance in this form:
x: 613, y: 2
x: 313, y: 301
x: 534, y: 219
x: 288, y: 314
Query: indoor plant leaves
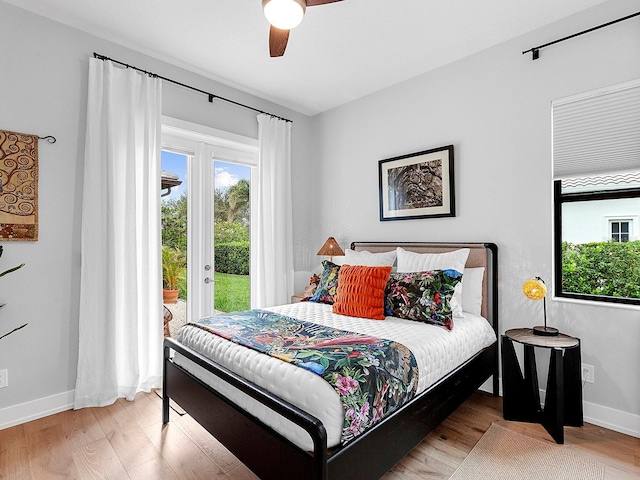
x: 2, y: 275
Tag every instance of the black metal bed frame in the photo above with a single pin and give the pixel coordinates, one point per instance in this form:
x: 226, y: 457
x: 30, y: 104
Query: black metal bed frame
x: 270, y: 455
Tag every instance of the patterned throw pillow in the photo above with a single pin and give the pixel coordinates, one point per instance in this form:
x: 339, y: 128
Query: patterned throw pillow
x: 422, y: 296
x: 328, y: 285
x: 361, y: 291
x: 423, y: 262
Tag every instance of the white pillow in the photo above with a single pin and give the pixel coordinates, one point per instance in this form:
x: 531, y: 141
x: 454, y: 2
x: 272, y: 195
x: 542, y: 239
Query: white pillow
x: 369, y: 259
x: 423, y: 262
x: 338, y: 260
x: 472, y: 290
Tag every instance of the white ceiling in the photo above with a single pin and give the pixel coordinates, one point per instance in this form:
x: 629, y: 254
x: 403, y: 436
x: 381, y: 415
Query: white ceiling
x: 340, y: 51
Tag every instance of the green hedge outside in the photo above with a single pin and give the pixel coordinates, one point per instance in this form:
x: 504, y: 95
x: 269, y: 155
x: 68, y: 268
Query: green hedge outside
x: 232, y: 257
x: 602, y: 268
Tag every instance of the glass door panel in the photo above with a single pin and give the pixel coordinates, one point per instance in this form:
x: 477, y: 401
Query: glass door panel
x: 174, y: 206
x: 232, y: 217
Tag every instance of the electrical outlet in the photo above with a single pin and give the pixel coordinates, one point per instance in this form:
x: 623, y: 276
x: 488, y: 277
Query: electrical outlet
x: 4, y: 379
x: 587, y: 373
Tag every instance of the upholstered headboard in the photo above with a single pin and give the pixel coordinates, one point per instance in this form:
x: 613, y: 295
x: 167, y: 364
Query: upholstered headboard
x: 480, y: 255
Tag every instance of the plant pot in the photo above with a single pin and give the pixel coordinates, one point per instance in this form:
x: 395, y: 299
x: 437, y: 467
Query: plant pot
x: 170, y: 296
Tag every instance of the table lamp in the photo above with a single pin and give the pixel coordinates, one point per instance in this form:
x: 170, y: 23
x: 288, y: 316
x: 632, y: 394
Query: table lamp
x: 330, y: 248
x: 535, y: 289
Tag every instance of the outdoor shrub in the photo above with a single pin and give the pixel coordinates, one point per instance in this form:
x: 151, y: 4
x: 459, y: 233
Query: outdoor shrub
x: 174, y: 223
x: 232, y: 257
x: 602, y: 268
x: 227, y: 232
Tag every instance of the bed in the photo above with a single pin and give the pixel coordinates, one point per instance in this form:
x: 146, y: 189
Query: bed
x: 211, y: 392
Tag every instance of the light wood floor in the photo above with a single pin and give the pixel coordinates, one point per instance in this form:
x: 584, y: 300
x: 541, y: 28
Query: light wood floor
x: 128, y: 441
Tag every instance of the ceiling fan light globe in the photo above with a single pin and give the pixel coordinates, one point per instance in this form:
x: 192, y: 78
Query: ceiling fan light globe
x: 284, y: 14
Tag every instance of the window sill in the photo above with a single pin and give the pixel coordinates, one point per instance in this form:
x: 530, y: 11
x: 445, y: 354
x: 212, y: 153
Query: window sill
x: 595, y: 303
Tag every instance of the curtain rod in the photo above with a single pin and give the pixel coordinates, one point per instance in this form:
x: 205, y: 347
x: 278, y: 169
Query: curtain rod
x: 211, y: 96
x: 535, y: 51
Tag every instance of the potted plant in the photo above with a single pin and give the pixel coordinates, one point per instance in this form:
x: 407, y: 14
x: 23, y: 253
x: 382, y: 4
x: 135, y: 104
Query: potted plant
x: 173, y: 269
x: 2, y: 275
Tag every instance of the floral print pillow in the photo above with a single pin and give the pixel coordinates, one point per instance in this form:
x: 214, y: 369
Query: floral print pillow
x: 326, y: 291
x: 422, y: 296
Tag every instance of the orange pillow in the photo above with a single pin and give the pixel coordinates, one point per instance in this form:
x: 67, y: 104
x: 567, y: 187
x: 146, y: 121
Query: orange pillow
x: 360, y: 291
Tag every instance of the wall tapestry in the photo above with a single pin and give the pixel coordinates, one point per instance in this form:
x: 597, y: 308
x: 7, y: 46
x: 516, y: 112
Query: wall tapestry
x: 18, y: 186
x: 418, y: 185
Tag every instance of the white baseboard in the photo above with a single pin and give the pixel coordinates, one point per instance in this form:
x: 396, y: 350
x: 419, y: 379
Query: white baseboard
x: 616, y: 420
x: 612, y: 419
x: 42, y: 407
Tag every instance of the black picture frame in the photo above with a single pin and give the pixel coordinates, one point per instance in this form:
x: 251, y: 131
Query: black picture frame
x: 417, y: 185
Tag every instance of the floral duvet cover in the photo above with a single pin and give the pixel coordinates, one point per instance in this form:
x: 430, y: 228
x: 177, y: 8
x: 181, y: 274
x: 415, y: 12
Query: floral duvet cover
x: 372, y: 376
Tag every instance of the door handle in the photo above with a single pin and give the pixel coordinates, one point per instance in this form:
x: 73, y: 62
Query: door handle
x: 207, y: 280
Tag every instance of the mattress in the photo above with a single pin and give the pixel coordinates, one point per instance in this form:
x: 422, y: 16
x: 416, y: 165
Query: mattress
x: 437, y: 352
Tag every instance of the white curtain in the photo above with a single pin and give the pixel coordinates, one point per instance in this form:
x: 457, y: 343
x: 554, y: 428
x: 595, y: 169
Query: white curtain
x: 272, y: 280
x: 120, y: 344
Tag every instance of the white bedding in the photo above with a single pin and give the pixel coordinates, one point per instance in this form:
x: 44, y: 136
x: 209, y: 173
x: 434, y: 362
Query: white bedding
x: 437, y: 352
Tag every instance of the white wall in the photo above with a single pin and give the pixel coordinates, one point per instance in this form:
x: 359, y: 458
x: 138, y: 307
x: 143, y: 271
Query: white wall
x: 494, y: 107
x: 43, y: 82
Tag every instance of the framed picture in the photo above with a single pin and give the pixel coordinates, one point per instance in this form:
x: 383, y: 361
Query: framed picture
x: 418, y: 185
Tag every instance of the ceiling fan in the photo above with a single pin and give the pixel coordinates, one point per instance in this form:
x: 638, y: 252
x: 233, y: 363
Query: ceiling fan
x: 283, y: 15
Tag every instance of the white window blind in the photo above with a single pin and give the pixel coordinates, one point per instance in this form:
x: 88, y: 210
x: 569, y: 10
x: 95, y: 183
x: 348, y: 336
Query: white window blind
x: 597, y: 132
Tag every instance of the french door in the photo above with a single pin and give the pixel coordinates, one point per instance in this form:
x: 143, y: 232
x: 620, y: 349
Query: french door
x: 201, y: 147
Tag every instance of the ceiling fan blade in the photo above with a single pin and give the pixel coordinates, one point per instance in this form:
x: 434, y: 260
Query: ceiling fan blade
x: 277, y: 41
x: 313, y: 3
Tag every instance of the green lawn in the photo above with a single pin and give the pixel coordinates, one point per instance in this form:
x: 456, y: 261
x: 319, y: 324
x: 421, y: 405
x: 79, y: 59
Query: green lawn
x: 231, y: 292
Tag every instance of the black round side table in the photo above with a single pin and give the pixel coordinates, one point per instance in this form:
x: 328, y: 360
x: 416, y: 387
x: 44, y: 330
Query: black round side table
x: 520, y: 393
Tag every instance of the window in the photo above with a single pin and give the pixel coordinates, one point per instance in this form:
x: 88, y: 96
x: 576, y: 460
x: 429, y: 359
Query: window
x: 619, y: 230
x: 598, y: 263
x: 596, y: 168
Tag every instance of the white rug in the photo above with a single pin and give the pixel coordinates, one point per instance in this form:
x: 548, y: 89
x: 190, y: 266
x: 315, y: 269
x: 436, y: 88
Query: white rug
x: 504, y: 454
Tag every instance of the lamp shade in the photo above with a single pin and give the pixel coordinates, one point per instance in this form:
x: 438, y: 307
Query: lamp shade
x: 330, y: 248
x: 535, y: 289
x: 284, y: 14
